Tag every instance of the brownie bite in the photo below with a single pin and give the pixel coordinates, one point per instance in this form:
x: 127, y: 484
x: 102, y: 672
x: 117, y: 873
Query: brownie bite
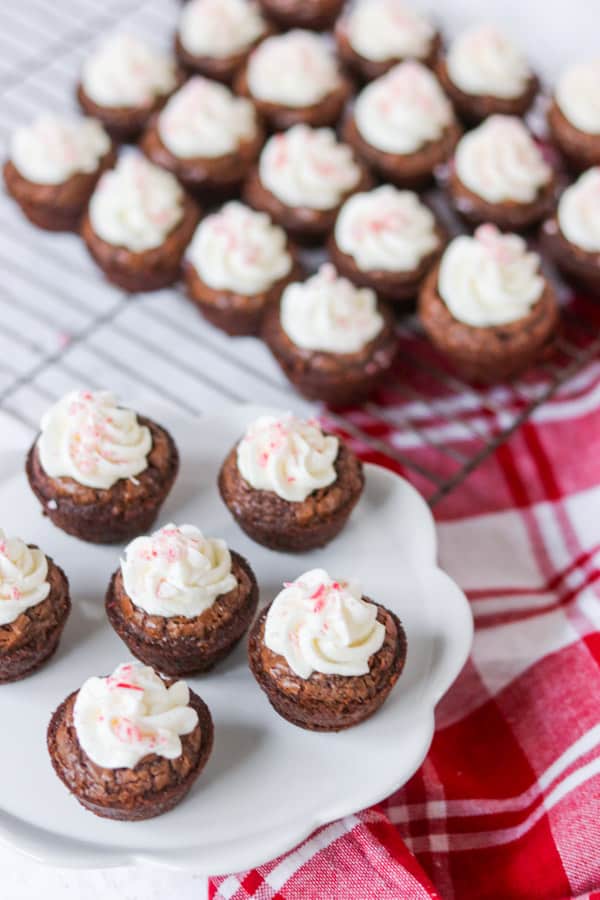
x: 289, y: 485
x: 124, y: 82
x: 499, y: 175
x: 100, y: 471
x: 53, y: 166
x: 302, y: 178
x: 484, y: 72
x: 138, y: 224
x: 34, y: 607
x: 214, y: 37
x: 237, y: 265
x: 295, y: 77
x: 316, y: 14
x: 387, y: 240
x: 206, y: 136
x: 334, y: 341
x: 403, y: 125
x: 326, y: 656
x: 181, y: 601
x: 487, y: 307
x: 572, y: 235
x: 374, y: 35
x: 574, y: 114
x: 129, y: 746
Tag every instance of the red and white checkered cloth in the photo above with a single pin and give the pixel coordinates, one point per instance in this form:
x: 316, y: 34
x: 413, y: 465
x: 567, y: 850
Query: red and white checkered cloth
x: 507, y: 803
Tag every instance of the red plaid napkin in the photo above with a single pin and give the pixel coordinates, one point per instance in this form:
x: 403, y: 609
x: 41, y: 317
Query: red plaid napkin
x: 507, y: 803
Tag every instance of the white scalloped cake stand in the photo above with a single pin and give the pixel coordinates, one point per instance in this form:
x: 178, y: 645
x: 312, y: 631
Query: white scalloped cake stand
x: 267, y: 784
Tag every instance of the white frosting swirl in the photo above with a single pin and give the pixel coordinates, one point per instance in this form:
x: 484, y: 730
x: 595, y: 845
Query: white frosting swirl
x: 403, y: 110
x: 579, y: 212
x: 483, y: 61
x: 321, y: 625
x: 23, y: 578
x: 204, y: 119
x: 136, y: 204
x: 329, y: 313
x: 176, y: 571
x: 489, y: 279
x: 388, y: 29
x: 386, y: 229
x: 125, y: 71
x: 308, y: 167
x: 294, y: 69
x: 52, y: 149
x: 130, y: 714
x: 87, y: 437
x: 578, y: 96
x: 499, y: 161
x: 287, y: 455
x: 240, y: 250
x: 220, y: 28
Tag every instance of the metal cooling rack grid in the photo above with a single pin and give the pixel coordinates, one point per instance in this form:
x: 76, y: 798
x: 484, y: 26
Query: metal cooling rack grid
x: 63, y: 326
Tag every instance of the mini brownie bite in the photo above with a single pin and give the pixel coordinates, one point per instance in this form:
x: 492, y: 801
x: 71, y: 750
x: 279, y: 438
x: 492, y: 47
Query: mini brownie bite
x: 34, y: 607
x: 101, y: 472
x: 334, y: 341
x: 572, y: 234
x: 487, y: 307
x: 237, y: 265
x: 386, y: 240
x: 403, y: 125
x: 138, y: 224
x: 214, y: 37
x: 289, y: 485
x: 129, y: 746
x: 499, y: 175
x: 293, y: 78
x: 123, y: 82
x: 374, y: 35
x: 181, y: 601
x: 326, y: 656
x: 302, y: 178
x: 484, y: 73
x: 206, y: 136
x: 316, y: 14
x: 53, y: 166
x: 574, y: 114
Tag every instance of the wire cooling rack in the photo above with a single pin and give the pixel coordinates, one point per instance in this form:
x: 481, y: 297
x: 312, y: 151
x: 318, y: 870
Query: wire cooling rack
x: 63, y: 326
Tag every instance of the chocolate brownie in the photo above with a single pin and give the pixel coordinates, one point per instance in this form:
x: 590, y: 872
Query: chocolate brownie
x: 293, y: 526
x: 221, y: 68
x: 107, y: 516
x: 328, y: 702
x: 326, y: 112
x: 369, y: 69
x: 316, y: 14
x: 125, y: 123
x: 31, y: 639
x: 55, y: 207
x: 510, y: 215
x: 408, y: 170
x: 212, y: 178
x: 152, y: 787
x: 339, y: 379
x: 236, y: 314
x: 474, y: 108
x: 184, y: 646
x: 149, y: 270
x: 303, y: 224
x: 493, y: 353
x: 578, y: 265
x: 582, y: 150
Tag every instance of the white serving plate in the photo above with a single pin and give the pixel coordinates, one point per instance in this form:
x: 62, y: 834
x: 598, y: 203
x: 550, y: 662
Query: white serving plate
x: 268, y: 784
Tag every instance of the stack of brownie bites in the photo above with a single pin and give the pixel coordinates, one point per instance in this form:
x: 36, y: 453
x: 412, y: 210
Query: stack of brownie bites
x: 277, y: 125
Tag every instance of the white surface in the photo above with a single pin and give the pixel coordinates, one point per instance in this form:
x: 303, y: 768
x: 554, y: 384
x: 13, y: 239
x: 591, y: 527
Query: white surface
x: 258, y: 758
